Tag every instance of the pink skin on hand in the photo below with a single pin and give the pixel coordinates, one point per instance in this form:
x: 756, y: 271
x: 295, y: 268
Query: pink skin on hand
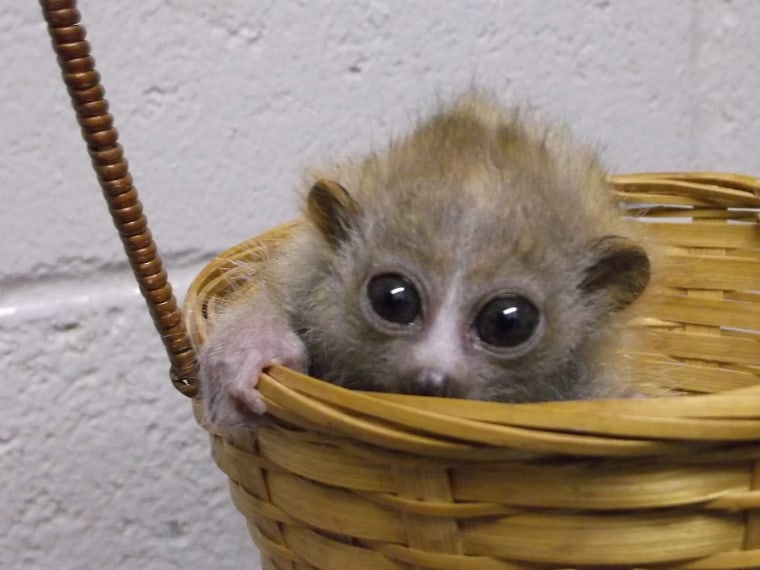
x: 234, y: 357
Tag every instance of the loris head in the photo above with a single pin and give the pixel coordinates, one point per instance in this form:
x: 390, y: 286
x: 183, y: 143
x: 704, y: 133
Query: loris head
x: 481, y: 257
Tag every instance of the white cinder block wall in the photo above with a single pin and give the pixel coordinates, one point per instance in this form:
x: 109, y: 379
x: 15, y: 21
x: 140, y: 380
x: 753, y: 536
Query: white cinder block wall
x: 219, y: 104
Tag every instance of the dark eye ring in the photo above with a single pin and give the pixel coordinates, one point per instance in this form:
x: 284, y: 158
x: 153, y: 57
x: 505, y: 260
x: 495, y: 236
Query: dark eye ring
x: 507, y: 321
x: 394, y: 298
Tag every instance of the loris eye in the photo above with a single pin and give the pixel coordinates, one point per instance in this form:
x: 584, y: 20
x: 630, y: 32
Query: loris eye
x: 394, y: 298
x: 507, y: 321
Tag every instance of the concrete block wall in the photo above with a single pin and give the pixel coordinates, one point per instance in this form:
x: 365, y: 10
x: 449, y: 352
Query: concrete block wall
x: 220, y: 104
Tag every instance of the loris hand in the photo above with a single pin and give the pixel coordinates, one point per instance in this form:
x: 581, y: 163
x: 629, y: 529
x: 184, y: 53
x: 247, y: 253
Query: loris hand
x: 234, y: 356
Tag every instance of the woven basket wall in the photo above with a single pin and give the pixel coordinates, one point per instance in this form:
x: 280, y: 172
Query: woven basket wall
x: 343, y: 480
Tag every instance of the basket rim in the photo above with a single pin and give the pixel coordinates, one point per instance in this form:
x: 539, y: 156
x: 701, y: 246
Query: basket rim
x: 449, y: 427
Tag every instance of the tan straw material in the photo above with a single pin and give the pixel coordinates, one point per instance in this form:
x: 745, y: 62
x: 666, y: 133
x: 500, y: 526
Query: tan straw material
x: 339, y: 479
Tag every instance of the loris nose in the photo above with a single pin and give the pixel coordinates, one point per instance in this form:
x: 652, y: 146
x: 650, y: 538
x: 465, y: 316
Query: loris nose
x: 429, y: 382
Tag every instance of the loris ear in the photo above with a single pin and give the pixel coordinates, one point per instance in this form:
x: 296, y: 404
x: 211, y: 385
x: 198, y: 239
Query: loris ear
x: 619, y: 273
x: 332, y: 210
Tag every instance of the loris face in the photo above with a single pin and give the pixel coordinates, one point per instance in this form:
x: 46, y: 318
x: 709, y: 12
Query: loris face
x: 441, y: 310
x: 480, y: 257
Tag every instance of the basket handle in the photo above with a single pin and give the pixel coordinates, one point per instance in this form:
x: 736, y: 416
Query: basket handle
x: 91, y: 107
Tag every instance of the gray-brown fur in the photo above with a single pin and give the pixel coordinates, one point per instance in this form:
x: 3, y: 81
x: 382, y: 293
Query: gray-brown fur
x: 479, y: 198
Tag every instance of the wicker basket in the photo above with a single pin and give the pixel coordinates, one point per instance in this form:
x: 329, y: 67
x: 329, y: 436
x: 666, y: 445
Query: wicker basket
x: 341, y: 480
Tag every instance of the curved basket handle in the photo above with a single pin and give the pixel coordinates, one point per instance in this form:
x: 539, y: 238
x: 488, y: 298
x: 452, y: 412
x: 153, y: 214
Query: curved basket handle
x: 91, y: 107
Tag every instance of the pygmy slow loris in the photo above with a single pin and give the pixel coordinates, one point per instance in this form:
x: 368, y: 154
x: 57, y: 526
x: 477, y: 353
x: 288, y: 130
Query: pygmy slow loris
x: 482, y: 256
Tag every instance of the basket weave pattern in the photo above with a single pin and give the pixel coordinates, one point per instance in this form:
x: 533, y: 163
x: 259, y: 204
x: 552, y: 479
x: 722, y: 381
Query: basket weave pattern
x: 339, y: 479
